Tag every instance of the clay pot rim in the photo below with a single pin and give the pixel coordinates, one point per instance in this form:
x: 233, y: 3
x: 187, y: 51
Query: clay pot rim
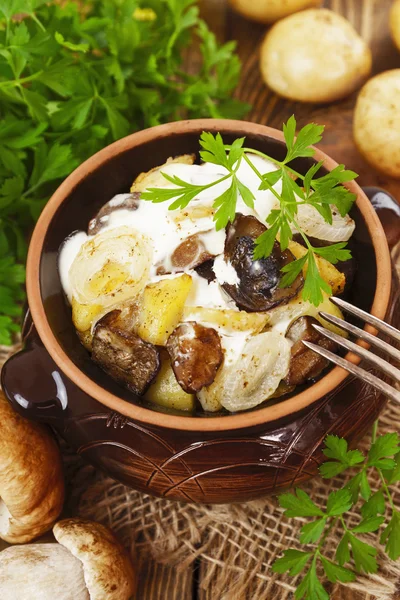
x: 259, y: 416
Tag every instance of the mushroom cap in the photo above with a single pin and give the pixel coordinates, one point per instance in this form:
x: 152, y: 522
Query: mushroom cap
x: 45, y: 571
x: 31, y: 477
x: 107, y: 569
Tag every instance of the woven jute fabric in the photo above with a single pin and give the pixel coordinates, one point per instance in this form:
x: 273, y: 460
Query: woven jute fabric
x: 237, y: 543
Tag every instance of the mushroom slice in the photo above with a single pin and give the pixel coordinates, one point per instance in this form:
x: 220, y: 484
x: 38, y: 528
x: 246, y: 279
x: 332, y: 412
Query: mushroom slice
x: 107, y: 569
x: 191, y: 253
x: 31, y: 478
x: 119, y: 202
x: 122, y: 354
x: 251, y: 376
x: 304, y: 363
x: 196, y: 355
x: 45, y: 571
x: 258, y: 288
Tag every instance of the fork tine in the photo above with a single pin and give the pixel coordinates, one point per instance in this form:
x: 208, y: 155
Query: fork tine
x: 374, y: 321
x: 364, y: 335
x: 376, y: 361
x: 380, y: 385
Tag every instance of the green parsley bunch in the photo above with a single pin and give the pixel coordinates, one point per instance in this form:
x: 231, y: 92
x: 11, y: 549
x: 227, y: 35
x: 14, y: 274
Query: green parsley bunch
x: 75, y: 76
x: 320, y: 192
x: 377, y: 511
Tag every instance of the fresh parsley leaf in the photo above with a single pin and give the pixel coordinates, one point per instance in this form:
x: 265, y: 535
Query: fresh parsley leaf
x: 311, y: 532
x: 310, y: 587
x: 393, y: 475
x: 71, y: 46
x: 292, y: 270
x: 338, y: 502
x: 363, y: 555
x: 213, y: 149
x: 265, y: 242
x: 299, y: 505
x: 292, y: 561
x: 337, y: 449
x: 270, y: 179
x: 369, y: 524
x: 334, y: 253
x: 365, y: 488
x: 374, y: 506
x: 225, y: 206
x: 314, y: 285
x: 382, y: 451
x: 336, y: 573
x: 309, y: 135
x: 343, y: 550
x: 391, y: 537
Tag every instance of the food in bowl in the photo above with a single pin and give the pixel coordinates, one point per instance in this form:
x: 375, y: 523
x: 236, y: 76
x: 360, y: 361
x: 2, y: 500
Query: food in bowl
x: 198, y: 286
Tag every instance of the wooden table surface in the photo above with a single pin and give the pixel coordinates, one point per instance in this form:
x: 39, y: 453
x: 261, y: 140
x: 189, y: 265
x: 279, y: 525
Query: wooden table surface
x: 370, y: 18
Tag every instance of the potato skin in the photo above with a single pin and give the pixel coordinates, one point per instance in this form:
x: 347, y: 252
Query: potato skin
x: 314, y: 56
x: 269, y: 11
x: 395, y: 22
x: 376, y: 125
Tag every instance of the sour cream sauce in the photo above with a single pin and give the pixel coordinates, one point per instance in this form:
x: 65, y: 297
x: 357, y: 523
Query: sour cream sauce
x: 167, y: 229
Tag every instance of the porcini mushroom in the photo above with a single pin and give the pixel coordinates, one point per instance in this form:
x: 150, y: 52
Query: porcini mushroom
x: 87, y: 563
x: 31, y: 477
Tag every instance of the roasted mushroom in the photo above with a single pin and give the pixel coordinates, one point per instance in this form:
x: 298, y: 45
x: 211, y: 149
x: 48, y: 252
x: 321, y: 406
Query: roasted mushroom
x: 258, y: 288
x: 123, y: 201
x: 206, y: 271
x: 304, y: 363
x: 191, y: 253
x: 122, y: 354
x: 196, y: 355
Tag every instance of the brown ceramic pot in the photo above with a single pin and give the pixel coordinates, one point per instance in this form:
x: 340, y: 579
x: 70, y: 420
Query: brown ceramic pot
x: 223, y: 458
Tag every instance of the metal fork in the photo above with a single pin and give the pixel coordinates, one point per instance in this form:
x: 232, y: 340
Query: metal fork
x: 361, y: 351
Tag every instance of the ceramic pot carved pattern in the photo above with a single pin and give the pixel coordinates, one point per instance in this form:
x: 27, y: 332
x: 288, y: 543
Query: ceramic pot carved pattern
x: 182, y: 458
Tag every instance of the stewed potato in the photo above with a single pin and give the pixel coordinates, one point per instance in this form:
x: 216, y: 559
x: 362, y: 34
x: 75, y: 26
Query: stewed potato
x: 269, y: 11
x: 314, y: 56
x: 376, y: 124
x: 166, y: 391
x: 395, y: 22
x: 161, y: 308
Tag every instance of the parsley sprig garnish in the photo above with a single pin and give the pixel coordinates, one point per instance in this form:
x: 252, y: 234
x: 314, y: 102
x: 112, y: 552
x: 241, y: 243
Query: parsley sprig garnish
x: 74, y: 77
x: 358, y: 555
x: 323, y: 193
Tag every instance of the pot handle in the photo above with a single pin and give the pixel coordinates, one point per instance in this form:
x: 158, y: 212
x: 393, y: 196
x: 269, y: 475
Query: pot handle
x: 388, y: 211
x: 31, y: 381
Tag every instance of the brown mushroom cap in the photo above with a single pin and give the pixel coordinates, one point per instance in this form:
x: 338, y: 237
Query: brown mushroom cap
x: 31, y: 477
x: 107, y: 569
x: 196, y: 355
x: 42, y: 571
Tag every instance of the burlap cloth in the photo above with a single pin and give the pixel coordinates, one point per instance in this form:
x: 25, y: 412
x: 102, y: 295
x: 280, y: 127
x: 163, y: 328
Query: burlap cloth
x: 237, y: 543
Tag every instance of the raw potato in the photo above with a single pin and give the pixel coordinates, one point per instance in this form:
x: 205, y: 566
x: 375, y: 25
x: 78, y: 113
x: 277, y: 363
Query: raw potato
x: 314, y: 56
x: 269, y: 11
x: 162, y: 307
x: 166, y: 391
x: 376, y: 124
x: 227, y: 321
x: 395, y: 22
x: 153, y: 178
x: 327, y: 270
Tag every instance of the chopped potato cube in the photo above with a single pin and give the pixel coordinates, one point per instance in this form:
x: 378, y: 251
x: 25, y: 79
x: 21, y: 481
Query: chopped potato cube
x: 166, y: 391
x: 162, y: 307
x: 227, y: 320
x: 327, y: 270
x: 83, y: 315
